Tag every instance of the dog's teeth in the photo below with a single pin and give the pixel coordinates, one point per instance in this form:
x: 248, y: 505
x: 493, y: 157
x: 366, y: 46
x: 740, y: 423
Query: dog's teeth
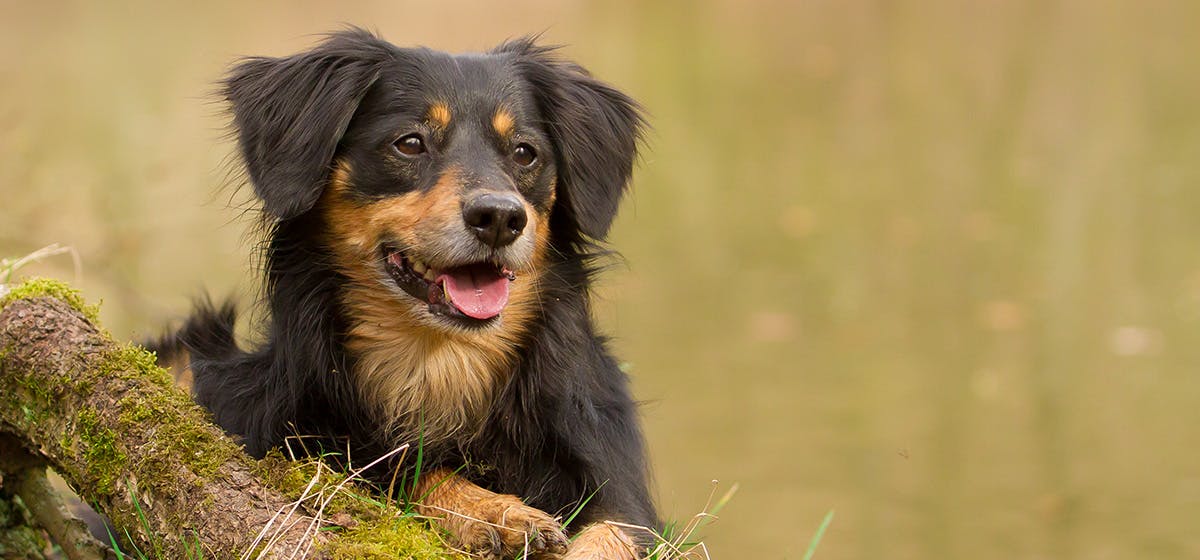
x: 419, y: 267
x: 430, y: 276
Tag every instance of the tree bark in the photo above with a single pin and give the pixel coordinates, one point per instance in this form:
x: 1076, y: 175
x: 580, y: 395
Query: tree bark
x: 133, y: 445
x: 25, y: 477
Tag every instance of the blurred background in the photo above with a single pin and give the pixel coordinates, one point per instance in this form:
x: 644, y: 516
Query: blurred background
x: 931, y: 264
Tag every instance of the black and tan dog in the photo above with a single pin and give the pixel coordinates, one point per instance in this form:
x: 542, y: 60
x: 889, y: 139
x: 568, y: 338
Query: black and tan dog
x: 431, y: 223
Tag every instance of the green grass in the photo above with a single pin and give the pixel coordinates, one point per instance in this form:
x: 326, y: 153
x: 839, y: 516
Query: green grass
x: 816, y: 540
x: 383, y: 528
x: 682, y: 541
x: 194, y: 550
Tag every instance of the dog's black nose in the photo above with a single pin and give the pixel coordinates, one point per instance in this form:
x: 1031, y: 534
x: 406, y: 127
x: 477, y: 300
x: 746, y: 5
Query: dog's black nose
x: 497, y: 219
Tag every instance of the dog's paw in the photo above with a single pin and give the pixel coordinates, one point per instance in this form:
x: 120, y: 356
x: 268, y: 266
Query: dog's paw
x: 502, y: 526
x: 487, y: 524
x: 601, y: 541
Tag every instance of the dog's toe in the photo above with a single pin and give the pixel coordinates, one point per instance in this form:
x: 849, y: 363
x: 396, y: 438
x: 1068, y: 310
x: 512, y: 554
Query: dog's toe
x: 527, y: 530
x: 480, y: 539
x: 504, y: 527
x: 488, y: 524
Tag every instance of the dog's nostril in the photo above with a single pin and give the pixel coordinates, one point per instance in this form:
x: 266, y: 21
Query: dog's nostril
x: 517, y: 222
x: 497, y: 219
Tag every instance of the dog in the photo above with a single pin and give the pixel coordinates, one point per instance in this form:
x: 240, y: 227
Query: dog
x: 433, y: 224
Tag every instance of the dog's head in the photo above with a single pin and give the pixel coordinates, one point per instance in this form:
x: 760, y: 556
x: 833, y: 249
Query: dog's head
x: 440, y: 180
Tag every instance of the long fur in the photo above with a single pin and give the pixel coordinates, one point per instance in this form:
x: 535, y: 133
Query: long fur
x: 560, y: 426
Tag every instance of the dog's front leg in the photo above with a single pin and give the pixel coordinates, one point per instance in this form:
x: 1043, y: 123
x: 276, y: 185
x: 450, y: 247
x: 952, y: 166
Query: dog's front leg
x: 485, y: 523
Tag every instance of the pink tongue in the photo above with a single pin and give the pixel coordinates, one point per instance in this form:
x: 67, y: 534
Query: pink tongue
x: 478, y: 291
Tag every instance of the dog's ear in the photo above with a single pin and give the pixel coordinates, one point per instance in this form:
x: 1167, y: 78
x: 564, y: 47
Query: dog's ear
x: 290, y: 113
x: 594, y: 127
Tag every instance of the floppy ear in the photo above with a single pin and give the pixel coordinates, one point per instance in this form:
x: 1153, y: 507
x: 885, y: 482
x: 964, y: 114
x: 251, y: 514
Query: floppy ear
x: 290, y: 113
x: 595, y: 129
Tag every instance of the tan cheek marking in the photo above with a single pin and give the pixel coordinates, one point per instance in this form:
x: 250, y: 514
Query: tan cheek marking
x: 356, y: 229
x: 343, y: 216
x: 439, y: 115
x: 503, y: 122
x: 408, y: 215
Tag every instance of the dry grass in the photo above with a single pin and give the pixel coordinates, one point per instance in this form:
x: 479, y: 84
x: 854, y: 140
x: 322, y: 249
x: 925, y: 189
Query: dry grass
x: 321, y: 490
x: 683, y: 542
x: 10, y: 266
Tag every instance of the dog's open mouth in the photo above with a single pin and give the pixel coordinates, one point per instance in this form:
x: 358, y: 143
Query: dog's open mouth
x: 475, y: 292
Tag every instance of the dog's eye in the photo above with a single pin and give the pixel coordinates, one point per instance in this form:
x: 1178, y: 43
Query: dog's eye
x: 524, y: 155
x: 410, y: 145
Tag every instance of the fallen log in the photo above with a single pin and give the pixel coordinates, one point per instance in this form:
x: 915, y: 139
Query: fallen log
x: 110, y: 421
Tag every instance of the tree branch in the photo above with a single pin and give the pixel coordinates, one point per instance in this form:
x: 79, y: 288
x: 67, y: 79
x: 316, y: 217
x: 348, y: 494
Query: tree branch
x: 25, y: 475
x: 109, y: 420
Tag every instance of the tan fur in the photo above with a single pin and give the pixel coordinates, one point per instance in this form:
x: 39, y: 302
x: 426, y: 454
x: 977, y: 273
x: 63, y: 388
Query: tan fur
x: 179, y: 364
x: 413, y: 368
x: 600, y: 541
x: 439, y: 115
x: 482, y: 521
x: 183, y: 378
x: 503, y: 122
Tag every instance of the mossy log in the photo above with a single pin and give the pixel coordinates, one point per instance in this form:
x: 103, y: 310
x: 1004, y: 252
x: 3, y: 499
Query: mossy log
x: 110, y: 422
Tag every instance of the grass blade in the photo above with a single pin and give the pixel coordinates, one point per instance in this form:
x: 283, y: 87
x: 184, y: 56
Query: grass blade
x: 112, y: 540
x: 816, y: 540
x: 585, y: 501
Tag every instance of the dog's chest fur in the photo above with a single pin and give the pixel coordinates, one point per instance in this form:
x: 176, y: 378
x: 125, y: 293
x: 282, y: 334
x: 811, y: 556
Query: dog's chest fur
x: 419, y: 382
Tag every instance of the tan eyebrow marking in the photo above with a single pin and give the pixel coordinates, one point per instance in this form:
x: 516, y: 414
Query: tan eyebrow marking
x: 503, y: 122
x: 439, y: 115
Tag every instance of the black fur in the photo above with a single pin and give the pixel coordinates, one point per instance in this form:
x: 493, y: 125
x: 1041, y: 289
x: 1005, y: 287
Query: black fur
x: 291, y: 112
x: 595, y: 132
x: 564, y: 425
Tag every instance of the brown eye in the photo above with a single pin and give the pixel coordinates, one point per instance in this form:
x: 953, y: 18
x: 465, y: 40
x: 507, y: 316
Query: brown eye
x: 410, y: 145
x: 524, y: 155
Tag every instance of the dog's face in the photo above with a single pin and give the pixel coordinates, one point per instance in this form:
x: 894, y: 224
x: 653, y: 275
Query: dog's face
x: 444, y: 186
x: 441, y: 181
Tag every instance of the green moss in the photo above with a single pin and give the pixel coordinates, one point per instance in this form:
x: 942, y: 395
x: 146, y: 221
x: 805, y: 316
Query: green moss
x: 40, y: 397
x: 182, y: 434
x: 287, y: 476
x: 106, y: 462
x: 394, y: 537
x: 293, y: 478
x: 44, y: 287
x: 19, y: 538
x: 135, y: 410
x: 382, y: 531
x: 130, y: 361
